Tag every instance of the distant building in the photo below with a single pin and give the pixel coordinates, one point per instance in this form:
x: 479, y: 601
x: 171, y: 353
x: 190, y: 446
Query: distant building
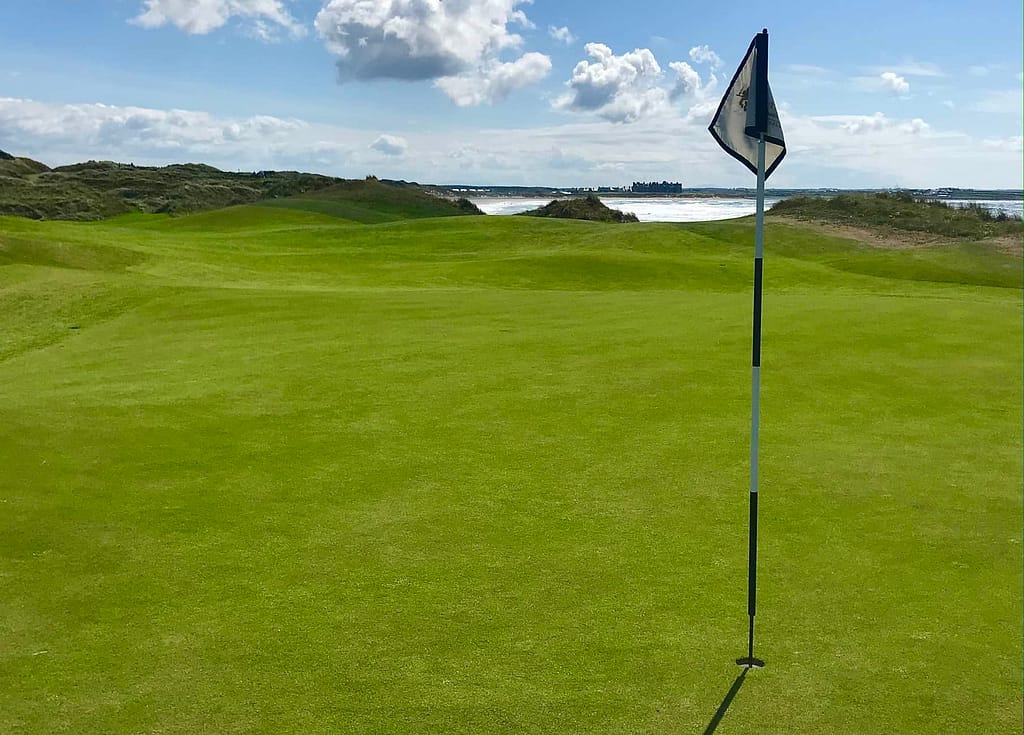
x: 655, y: 187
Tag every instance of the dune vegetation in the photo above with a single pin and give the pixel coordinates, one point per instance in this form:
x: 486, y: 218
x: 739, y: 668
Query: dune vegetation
x: 316, y: 465
x: 901, y: 211
x: 97, y: 190
x: 589, y: 207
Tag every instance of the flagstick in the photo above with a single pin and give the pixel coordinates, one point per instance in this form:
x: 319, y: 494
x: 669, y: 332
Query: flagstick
x: 755, y: 408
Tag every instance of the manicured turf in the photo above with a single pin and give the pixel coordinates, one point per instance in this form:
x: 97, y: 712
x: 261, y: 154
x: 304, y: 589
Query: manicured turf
x: 484, y: 475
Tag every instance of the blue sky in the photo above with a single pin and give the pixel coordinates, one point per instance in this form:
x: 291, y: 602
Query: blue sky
x: 872, y: 94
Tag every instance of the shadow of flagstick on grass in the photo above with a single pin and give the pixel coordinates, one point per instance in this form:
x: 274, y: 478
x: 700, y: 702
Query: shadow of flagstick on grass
x: 724, y: 706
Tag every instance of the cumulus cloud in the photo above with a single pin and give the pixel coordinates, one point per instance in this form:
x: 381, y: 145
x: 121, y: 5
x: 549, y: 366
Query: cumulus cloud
x: 495, y: 81
x: 621, y: 89
x: 203, y: 16
x: 633, y: 86
x: 687, y: 79
x: 390, y: 145
x: 855, y: 124
x: 704, y: 54
x: 456, y: 43
x: 894, y: 83
x: 563, y: 35
x: 915, y: 126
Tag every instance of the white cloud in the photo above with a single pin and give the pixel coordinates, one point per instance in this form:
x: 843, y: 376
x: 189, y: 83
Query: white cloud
x: 855, y: 124
x: 805, y: 69
x: 824, y: 150
x: 977, y: 70
x: 620, y: 89
x: 633, y: 86
x: 703, y: 54
x: 894, y: 83
x: 949, y: 103
x: 421, y: 39
x: 563, y: 35
x: 687, y: 79
x: 915, y: 126
x: 390, y: 145
x: 1010, y: 145
x: 203, y: 16
x: 496, y: 80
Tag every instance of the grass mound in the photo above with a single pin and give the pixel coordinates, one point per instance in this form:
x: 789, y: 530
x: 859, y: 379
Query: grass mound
x: 900, y: 211
x: 589, y: 207
x: 99, y: 189
x: 372, y: 201
x: 96, y: 190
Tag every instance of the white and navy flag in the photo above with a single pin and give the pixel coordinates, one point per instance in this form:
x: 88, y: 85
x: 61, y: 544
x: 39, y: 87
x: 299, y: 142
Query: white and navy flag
x: 748, y: 110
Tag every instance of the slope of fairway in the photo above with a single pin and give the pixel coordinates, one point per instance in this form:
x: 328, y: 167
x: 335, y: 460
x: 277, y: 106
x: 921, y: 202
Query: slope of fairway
x: 265, y: 471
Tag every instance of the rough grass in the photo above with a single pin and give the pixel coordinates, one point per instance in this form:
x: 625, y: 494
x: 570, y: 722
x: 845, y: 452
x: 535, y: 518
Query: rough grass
x: 97, y: 190
x: 489, y: 475
x: 901, y: 211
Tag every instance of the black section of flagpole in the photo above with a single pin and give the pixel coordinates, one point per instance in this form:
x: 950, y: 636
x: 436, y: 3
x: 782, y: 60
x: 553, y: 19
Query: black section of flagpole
x: 752, y: 573
x: 758, y: 281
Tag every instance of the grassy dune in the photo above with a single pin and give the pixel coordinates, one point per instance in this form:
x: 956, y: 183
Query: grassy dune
x: 269, y: 471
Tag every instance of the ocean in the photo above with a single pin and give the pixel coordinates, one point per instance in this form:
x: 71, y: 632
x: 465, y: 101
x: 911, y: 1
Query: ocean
x: 696, y: 209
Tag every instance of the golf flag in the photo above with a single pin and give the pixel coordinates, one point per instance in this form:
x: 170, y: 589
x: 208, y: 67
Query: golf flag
x: 747, y: 127
x: 747, y: 110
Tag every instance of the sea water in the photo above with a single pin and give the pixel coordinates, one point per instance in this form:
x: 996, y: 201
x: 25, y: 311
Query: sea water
x: 695, y: 209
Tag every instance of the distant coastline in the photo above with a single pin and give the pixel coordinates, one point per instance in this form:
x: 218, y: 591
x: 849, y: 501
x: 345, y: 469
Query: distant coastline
x: 539, y: 192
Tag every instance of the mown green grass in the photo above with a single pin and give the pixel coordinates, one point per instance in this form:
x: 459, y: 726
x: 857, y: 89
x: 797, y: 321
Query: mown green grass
x: 490, y: 475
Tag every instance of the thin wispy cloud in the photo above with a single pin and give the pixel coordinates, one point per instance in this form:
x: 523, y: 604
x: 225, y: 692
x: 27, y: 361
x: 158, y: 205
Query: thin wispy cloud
x: 910, y: 69
x: 1001, y: 102
x: 811, y: 69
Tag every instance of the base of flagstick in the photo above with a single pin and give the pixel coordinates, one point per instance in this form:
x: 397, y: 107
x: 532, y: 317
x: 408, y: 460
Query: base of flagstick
x: 750, y: 662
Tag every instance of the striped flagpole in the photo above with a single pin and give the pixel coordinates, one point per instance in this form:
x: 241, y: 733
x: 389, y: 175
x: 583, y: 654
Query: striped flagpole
x: 755, y: 409
x: 746, y: 116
